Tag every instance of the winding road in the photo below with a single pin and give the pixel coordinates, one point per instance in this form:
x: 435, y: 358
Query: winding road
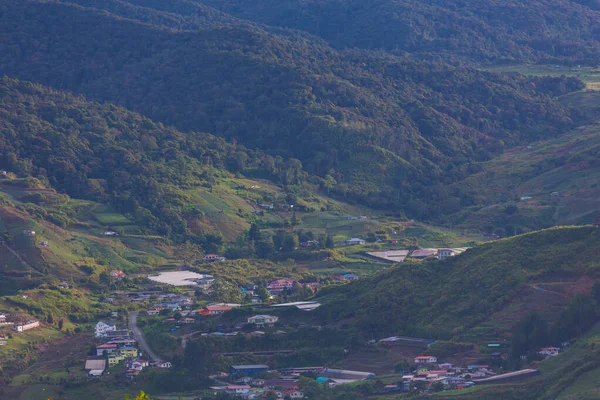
x: 137, y: 334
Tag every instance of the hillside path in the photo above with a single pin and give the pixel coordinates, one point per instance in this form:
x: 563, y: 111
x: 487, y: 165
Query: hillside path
x: 185, y: 338
x: 137, y: 334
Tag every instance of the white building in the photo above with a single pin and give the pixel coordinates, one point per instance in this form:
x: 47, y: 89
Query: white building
x: 26, y: 326
x: 238, y: 389
x: 353, y: 241
x: 549, y: 351
x: 263, y: 320
x: 425, y: 360
x: 103, y: 327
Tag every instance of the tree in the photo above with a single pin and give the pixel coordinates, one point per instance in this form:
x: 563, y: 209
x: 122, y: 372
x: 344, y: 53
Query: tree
x: 437, y: 387
x: 290, y: 242
x: 329, y: 242
x: 190, y: 253
x: 254, y: 232
x: 140, y: 396
x: 263, y: 294
x: 61, y: 323
x: 529, y: 335
x: 104, y: 277
x: 225, y: 292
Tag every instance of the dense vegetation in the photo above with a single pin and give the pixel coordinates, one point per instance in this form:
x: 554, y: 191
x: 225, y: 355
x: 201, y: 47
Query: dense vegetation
x: 444, y: 299
x: 386, y: 130
x: 108, y: 154
x: 543, y: 31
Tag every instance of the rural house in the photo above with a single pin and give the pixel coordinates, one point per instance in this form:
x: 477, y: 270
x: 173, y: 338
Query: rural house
x: 103, y: 327
x: 262, y: 320
x: 248, y: 369
x: 214, y: 310
x: 26, y: 326
x: 549, y: 351
x: 109, y: 348
x: 425, y: 360
x: 354, y: 241
x: 213, y: 257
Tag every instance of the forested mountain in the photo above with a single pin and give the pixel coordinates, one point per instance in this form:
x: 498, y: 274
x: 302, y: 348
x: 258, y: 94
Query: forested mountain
x: 108, y: 154
x: 387, y: 130
x: 564, y: 31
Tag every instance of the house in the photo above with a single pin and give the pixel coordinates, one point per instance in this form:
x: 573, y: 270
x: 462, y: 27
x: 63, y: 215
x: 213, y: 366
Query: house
x: 252, y: 369
x: 103, y: 327
x: 109, y: 348
x: 548, y: 351
x: 114, y: 359
x: 214, y: 310
x: 446, y: 365
x: 425, y: 360
x: 423, y: 253
x: 3, y: 320
x: 129, y: 352
x: 499, y: 356
x: 117, y: 274
x: 44, y: 243
x: 238, y: 389
x: 95, y: 366
x: 295, y: 394
x: 164, y: 364
x: 280, y: 284
x: 117, y: 334
x: 445, y: 253
x: 346, y: 276
x: 268, y: 206
x: 213, y: 257
x: 188, y: 321
x: 22, y: 327
x: 153, y: 311
x: 110, y: 233
x: 132, y: 373
x: 354, y: 241
x: 309, y: 243
x: 262, y: 320
x: 28, y: 232
x: 391, y: 388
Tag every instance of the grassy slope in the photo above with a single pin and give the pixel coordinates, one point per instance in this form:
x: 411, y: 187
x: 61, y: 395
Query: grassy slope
x: 453, y: 297
x: 567, y: 165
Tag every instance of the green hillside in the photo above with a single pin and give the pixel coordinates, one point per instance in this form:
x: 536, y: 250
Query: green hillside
x: 449, y: 298
x: 514, y: 191
x: 413, y: 126
x: 490, y: 31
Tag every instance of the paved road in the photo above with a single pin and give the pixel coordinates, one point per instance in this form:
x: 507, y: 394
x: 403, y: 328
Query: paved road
x: 137, y: 334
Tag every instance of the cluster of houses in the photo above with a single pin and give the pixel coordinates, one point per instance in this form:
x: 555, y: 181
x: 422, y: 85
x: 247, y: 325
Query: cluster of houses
x: 430, y: 372
x: 252, y: 382
x: 117, y: 347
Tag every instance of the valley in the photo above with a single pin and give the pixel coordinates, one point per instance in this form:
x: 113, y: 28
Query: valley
x: 321, y: 199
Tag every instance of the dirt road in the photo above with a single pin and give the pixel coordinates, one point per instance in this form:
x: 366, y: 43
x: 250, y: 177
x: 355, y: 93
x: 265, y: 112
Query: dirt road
x: 137, y: 334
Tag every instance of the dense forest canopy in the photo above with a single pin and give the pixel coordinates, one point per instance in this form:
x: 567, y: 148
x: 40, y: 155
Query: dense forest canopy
x: 391, y: 131
x: 549, y: 31
x: 108, y: 154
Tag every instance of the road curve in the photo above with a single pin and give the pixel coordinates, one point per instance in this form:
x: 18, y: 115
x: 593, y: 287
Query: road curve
x: 137, y: 334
